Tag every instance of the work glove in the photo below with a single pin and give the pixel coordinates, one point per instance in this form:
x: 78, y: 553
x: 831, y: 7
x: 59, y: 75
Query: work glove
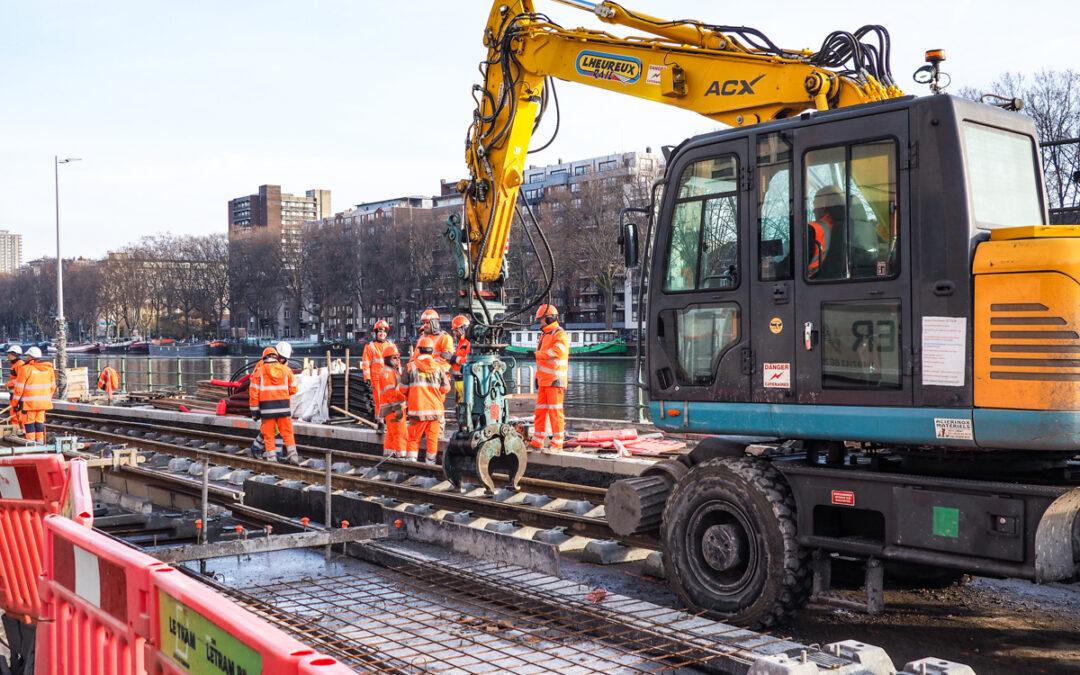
x: 256, y: 415
x: 557, y: 382
x: 17, y: 407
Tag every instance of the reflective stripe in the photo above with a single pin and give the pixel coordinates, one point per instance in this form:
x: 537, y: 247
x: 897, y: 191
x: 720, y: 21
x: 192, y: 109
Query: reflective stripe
x: 40, y: 385
x: 379, y: 361
x: 24, y: 399
x: 273, y: 387
x: 549, y: 406
x: 417, y: 413
x: 550, y: 371
x: 422, y: 384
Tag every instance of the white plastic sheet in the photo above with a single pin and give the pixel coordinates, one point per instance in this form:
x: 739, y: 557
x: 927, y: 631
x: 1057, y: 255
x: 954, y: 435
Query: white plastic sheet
x: 310, y: 404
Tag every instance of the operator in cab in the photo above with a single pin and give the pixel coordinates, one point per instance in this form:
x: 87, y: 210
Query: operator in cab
x: 552, y: 365
x: 826, y: 235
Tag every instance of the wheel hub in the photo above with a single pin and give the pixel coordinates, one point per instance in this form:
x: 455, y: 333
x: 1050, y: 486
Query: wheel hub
x: 723, y: 548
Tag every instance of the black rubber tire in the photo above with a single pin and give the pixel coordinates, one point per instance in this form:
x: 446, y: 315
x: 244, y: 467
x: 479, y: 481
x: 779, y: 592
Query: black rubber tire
x: 751, y: 496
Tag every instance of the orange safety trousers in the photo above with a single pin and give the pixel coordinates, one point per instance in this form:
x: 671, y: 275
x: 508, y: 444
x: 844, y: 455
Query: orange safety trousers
x: 396, y: 438
x: 34, y: 424
x: 548, y: 419
x: 417, y: 429
x: 281, y: 425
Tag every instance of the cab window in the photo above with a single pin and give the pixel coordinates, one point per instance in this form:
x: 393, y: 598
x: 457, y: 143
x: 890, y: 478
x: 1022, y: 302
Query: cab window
x: 852, y: 216
x: 774, y: 208
x: 703, y: 252
x: 696, y: 337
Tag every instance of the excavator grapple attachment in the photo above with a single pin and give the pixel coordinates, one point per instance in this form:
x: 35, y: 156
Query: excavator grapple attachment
x: 480, y: 453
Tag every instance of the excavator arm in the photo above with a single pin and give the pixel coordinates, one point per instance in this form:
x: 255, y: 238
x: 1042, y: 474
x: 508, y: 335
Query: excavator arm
x: 733, y: 75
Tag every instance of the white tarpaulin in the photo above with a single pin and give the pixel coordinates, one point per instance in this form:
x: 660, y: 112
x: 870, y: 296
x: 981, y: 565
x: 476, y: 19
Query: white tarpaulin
x: 310, y: 404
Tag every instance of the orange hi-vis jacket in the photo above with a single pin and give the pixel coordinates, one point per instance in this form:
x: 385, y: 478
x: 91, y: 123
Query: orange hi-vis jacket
x: 109, y: 379
x: 552, y: 356
x: 821, y: 230
x: 272, y: 388
x: 462, y: 353
x: 392, y: 394
x: 16, y: 366
x: 444, y: 350
x: 35, y: 386
x: 374, y: 359
x: 427, y: 385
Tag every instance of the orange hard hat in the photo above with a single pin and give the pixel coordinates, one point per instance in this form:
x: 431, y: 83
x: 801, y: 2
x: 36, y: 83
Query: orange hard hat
x: 429, y: 315
x: 269, y: 351
x: 391, y: 350
x: 382, y: 325
x: 459, y: 321
x: 426, y: 342
x: 546, y: 310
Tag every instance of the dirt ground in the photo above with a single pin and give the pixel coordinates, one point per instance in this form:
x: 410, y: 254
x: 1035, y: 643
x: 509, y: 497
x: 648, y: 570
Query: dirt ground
x: 994, y: 626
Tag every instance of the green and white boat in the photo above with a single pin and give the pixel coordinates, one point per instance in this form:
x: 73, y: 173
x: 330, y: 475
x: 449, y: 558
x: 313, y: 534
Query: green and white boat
x: 582, y: 342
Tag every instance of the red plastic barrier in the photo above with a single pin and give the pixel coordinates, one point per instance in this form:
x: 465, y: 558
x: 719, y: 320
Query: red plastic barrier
x: 31, y: 487
x: 95, y: 602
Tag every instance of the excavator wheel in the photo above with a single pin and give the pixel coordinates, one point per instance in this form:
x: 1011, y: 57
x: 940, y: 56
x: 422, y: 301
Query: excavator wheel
x: 729, y: 543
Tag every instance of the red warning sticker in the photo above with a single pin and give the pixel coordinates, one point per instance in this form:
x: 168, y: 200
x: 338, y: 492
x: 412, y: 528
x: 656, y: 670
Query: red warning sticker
x: 843, y: 497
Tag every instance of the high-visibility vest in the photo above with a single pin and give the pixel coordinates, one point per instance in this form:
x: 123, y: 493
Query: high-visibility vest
x: 109, y: 379
x: 552, y: 356
x: 35, y: 386
x: 374, y: 358
x: 426, y: 385
x: 460, y: 354
x: 272, y: 388
x: 444, y: 350
x: 16, y: 366
x: 392, y: 393
x: 821, y: 233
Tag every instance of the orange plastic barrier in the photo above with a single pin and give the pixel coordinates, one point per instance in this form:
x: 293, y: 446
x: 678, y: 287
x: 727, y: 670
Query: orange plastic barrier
x: 31, y: 487
x: 112, y: 610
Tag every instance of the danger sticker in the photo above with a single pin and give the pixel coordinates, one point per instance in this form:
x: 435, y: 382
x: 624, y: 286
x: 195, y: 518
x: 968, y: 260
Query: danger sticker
x: 843, y: 497
x: 777, y: 375
x: 653, y: 76
x: 950, y: 427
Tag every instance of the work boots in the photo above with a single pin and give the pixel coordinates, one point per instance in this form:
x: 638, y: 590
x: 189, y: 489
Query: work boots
x: 291, y: 457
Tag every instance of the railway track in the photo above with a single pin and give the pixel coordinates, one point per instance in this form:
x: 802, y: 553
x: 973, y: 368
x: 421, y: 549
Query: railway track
x: 544, y: 505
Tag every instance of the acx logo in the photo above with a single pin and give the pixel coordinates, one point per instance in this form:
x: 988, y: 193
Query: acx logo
x: 732, y: 87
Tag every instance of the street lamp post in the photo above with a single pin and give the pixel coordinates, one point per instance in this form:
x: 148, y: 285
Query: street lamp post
x: 61, y: 324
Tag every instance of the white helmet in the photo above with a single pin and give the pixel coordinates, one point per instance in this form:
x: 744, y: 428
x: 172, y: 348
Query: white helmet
x: 34, y: 353
x: 284, y: 348
x: 14, y: 349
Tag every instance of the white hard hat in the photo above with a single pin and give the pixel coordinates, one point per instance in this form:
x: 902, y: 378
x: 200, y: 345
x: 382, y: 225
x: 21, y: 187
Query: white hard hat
x: 14, y: 349
x: 34, y: 353
x: 283, y: 348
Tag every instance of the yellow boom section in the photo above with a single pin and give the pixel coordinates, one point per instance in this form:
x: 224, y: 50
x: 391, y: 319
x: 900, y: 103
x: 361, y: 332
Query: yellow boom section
x: 689, y: 65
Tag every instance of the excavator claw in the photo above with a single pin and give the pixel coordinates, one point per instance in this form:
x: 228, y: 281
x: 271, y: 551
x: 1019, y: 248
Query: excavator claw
x: 480, y: 453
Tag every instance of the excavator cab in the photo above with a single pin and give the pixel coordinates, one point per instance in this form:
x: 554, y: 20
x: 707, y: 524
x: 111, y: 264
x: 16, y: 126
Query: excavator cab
x: 881, y: 273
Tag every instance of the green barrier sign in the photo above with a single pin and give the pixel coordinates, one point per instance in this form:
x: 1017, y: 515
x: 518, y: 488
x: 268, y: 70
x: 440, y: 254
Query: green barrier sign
x: 946, y: 522
x: 200, y: 646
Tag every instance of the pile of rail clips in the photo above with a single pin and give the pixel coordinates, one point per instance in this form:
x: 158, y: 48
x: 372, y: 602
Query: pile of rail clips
x: 625, y: 442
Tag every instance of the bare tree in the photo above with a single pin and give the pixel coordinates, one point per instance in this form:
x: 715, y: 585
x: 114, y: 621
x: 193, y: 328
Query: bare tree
x: 1052, y: 100
x: 257, y: 280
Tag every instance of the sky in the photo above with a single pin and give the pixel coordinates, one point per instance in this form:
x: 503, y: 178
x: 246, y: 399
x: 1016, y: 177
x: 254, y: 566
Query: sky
x: 177, y: 107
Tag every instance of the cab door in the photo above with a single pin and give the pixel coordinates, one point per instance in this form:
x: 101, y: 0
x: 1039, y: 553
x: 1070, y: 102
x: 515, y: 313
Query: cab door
x: 852, y: 279
x: 699, y: 315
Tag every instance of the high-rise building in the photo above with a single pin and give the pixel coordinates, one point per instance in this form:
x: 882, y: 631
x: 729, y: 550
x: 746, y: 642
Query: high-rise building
x: 10, y: 252
x: 280, y: 217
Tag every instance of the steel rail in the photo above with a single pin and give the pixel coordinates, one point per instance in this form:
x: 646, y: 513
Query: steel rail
x: 573, y: 524
x: 548, y: 487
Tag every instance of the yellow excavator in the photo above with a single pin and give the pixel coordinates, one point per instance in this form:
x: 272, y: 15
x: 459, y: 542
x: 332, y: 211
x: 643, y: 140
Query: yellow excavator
x: 855, y: 303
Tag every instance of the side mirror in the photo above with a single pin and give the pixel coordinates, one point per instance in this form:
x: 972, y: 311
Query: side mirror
x: 628, y: 240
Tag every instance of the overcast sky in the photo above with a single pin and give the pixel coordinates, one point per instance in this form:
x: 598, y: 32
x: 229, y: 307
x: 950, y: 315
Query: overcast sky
x: 176, y: 107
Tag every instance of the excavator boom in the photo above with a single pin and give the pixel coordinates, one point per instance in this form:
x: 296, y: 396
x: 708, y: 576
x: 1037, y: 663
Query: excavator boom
x: 732, y: 75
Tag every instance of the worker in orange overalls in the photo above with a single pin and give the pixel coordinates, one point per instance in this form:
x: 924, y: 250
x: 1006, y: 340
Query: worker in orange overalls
x: 258, y: 448
x: 460, y: 328
x: 552, y: 364
x: 15, y: 362
x: 270, y: 397
x: 109, y: 380
x: 443, y: 343
x: 33, y: 394
x: 426, y: 385
x: 396, y: 438
x: 373, y: 362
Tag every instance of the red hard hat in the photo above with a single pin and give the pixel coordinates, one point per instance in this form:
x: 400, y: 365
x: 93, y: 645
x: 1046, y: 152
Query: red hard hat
x: 426, y: 342
x: 382, y: 325
x: 429, y: 315
x: 459, y: 321
x: 546, y: 310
